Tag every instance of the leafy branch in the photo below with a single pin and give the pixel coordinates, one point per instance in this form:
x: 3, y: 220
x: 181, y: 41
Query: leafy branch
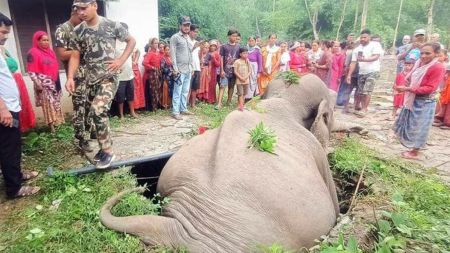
x: 290, y: 77
x: 262, y: 138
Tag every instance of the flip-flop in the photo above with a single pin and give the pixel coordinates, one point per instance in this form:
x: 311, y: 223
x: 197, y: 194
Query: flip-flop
x: 28, y: 174
x: 444, y: 127
x: 360, y: 114
x: 27, y: 191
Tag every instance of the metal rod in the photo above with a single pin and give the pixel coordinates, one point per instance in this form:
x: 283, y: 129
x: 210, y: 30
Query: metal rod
x: 114, y: 165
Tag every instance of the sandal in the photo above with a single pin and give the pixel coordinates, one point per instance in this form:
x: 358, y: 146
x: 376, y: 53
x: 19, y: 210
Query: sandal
x: 27, y: 191
x: 360, y: 114
x: 28, y: 174
x: 444, y: 127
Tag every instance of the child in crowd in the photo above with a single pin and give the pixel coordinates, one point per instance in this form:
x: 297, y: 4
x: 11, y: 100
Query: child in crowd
x: 442, y: 117
x: 242, y: 70
x: 400, y: 80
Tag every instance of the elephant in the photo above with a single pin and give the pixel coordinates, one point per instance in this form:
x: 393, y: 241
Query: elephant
x: 226, y: 197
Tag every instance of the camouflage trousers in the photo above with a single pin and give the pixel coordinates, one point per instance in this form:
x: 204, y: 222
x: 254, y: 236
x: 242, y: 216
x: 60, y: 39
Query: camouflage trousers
x: 82, y: 121
x: 100, y: 96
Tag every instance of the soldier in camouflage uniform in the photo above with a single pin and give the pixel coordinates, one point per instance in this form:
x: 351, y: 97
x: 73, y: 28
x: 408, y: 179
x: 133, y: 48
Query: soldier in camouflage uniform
x: 81, y: 121
x: 94, y: 43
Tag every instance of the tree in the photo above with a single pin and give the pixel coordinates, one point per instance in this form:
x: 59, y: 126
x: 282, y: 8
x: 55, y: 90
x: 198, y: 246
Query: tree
x: 342, y: 19
x: 313, y: 19
x: 430, y: 19
x: 364, y: 14
x: 356, y: 14
x: 398, y: 22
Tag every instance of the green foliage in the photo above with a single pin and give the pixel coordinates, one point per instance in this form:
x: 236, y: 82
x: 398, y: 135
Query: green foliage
x: 274, y: 248
x: 66, y: 217
x: 341, y: 247
x: 211, y: 117
x: 290, y: 77
x: 262, y: 138
x: 419, y: 219
x: 42, y: 140
x: 289, y: 19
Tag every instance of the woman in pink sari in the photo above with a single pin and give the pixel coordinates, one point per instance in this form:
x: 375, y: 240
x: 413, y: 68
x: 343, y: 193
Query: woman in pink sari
x: 43, y: 68
x: 337, y: 66
x: 299, y: 60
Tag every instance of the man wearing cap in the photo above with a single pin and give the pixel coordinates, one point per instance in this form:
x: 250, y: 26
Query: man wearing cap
x: 401, y: 50
x: 181, y: 55
x: 419, y: 36
x: 413, y: 52
x: 81, y: 122
x: 94, y: 41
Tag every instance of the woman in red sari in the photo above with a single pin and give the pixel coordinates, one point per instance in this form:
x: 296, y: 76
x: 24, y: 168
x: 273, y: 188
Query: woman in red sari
x: 205, y: 73
x: 152, y: 76
x: 214, y: 64
x: 139, y: 93
x: 299, y: 60
x: 26, y: 116
x: 43, y: 68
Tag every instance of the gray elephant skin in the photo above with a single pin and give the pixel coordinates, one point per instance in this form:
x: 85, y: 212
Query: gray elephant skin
x: 226, y: 197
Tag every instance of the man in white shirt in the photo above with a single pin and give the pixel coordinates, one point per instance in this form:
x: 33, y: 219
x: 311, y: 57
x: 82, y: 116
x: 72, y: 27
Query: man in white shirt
x: 125, y: 91
x: 367, y: 55
x: 195, y: 80
x: 10, y: 140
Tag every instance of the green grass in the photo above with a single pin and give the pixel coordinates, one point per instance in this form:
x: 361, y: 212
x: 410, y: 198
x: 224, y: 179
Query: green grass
x: 420, y: 216
x: 73, y: 225
x: 211, y: 117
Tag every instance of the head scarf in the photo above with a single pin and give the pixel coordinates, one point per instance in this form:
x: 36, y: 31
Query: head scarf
x: 416, y: 76
x: 42, y: 61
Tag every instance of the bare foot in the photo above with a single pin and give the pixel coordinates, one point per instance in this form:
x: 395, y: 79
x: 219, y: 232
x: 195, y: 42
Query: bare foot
x: 413, y: 155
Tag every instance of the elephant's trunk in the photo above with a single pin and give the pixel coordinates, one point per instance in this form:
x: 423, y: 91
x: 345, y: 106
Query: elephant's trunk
x: 151, y: 229
x: 113, y: 222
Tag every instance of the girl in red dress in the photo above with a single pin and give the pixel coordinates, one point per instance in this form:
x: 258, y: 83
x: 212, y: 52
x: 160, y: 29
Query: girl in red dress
x: 400, y: 81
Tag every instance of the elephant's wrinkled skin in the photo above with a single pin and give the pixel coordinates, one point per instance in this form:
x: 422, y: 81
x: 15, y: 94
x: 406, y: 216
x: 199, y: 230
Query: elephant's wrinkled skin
x: 228, y: 198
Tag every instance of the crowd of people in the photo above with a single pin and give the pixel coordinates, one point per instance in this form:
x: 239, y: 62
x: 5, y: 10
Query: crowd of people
x: 103, y: 75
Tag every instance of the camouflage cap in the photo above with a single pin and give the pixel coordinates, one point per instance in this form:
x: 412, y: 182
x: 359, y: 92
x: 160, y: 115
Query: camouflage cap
x: 82, y: 3
x: 184, y: 20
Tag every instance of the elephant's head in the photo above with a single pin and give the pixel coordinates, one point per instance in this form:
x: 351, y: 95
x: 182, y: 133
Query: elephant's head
x: 312, y: 101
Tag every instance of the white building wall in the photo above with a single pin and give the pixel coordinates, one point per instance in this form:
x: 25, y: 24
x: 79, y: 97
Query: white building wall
x: 141, y: 17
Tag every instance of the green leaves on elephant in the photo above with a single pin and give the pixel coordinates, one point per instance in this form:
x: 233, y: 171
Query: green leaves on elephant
x: 262, y: 138
x: 290, y: 77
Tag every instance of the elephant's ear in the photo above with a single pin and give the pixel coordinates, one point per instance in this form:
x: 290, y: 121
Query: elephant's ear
x: 322, y: 125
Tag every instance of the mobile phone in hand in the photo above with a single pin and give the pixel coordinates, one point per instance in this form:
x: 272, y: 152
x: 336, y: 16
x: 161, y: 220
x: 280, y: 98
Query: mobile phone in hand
x: 360, y: 54
x: 15, y: 123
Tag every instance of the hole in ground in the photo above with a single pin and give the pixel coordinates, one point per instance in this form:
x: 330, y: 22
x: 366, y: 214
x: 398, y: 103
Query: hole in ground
x: 148, y: 174
x: 345, y: 187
